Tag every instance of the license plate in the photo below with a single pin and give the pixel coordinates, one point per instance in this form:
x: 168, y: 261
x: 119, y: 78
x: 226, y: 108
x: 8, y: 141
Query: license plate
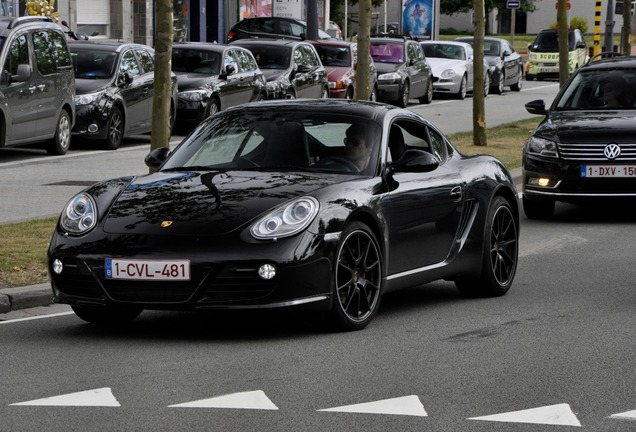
x: 159, y: 270
x: 549, y: 70
x: 611, y: 171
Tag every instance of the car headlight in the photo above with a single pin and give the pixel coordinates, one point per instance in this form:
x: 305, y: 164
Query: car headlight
x: 447, y: 74
x: 80, y: 214
x: 532, y: 56
x: 286, y: 220
x: 393, y: 76
x: 541, y: 147
x: 193, y: 96
x: 86, y: 99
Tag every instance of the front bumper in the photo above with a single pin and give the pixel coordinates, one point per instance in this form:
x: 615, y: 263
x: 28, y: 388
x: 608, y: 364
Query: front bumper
x: 389, y: 90
x: 91, y: 121
x: 191, y: 111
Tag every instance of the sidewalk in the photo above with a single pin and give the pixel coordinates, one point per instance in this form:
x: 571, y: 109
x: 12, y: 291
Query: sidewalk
x: 13, y: 299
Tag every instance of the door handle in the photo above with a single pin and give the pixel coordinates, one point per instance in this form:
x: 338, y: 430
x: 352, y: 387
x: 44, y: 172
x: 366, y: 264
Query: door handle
x: 456, y: 193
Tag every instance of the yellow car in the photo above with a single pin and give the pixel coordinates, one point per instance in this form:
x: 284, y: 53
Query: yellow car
x: 543, y: 54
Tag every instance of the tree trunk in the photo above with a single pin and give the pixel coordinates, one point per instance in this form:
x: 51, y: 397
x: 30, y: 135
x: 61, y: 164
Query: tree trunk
x: 162, y: 95
x: 364, y: 39
x: 627, y: 27
x: 479, y: 109
x: 562, y: 22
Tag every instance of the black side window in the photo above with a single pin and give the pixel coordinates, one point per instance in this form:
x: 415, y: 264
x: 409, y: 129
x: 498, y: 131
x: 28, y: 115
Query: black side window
x: 18, y: 54
x: 44, y: 57
x: 60, y: 50
x: 438, y: 143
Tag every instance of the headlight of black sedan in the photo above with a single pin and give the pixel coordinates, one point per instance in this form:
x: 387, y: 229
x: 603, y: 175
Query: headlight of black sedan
x: 286, y: 220
x: 79, y: 215
x: 541, y: 147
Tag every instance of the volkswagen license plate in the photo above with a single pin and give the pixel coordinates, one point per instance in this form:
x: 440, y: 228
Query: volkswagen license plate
x: 159, y: 270
x: 612, y: 171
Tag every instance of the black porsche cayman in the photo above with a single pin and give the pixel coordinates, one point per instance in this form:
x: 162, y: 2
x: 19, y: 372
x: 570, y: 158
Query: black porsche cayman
x: 324, y: 204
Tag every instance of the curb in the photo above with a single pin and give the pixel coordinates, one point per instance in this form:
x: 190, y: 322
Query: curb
x: 26, y: 297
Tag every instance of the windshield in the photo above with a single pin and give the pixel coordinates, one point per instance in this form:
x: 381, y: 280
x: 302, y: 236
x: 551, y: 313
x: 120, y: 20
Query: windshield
x: 440, y: 50
x: 271, y: 57
x: 93, y: 64
x: 334, y: 55
x: 549, y: 42
x: 600, y: 89
x: 387, y: 53
x: 196, y: 61
x: 289, y: 140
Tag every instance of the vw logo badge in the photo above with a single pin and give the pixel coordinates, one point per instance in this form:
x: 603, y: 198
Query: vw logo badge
x: 612, y: 151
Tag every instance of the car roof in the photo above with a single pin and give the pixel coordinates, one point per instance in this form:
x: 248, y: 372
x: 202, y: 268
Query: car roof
x: 8, y: 24
x: 487, y: 38
x: 611, y: 63
x: 204, y: 46
x: 441, y: 42
x: 381, y: 39
x: 330, y: 42
x: 106, y: 45
x: 264, y: 41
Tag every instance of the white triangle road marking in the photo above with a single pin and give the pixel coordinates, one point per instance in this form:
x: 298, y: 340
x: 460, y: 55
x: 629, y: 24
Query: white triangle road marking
x: 243, y: 400
x: 625, y: 415
x: 406, y: 405
x: 560, y: 414
x: 98, y: 397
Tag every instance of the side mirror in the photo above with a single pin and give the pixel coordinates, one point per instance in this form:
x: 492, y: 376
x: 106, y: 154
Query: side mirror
x: 157, y: 157
x: 415, y: 160
x: 536, y: 107
x: 125, y: 79
x: 229, y: 70
x: 23, y: 73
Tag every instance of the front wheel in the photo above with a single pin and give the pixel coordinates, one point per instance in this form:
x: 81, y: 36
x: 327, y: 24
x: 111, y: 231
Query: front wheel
x: 107, y: 315
x: 517, y: 86
x: 115, y: 131
x: 403, y: 100
x: 428, y: 96
x: 61, y: 142
x: 357, y: 278
x: 461, y: 94
x: 499, y: 87
x: 499, y: 255
x: 373, y: 97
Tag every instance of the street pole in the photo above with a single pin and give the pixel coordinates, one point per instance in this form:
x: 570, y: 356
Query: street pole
x: 597, y: 28
x: 513, y: 15
x: 312, y: 20
x: 609, y: 27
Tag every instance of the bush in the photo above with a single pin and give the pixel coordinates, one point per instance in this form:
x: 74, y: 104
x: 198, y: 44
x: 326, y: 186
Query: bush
x: 579, y: 23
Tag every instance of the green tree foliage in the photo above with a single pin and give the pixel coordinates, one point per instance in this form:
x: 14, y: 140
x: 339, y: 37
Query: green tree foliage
x: 579, y: 23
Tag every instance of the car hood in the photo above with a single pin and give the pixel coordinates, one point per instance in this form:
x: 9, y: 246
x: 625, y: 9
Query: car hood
x: 336, y: 73
x: 85, y: 86
x: 188, y: 81
x: 274, y: 74
x: 211, y: 203
x: 439, y: 65
x: 384, y: 68
x: 589, y: 127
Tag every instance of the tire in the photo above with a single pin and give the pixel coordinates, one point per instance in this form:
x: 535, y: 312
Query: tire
x: 213, y: 108
x: 373, y: 97
x: 517, y: 86
x: 499, y: 88
x: 428, y: 96
x: 61, y: 142
x: 538, y: 209
x: 349, y: 94
x: 499, y: 256
x: 357, y: 278
x: 171, y: 119
x: 107, y: 315
x: 486, y: 85
x: 405, y: 95
x: 114, y: 130
x: 461, y: 94
x: 325, y: 93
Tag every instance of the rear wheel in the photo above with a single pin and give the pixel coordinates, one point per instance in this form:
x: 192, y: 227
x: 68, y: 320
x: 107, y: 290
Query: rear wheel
x: 357, y: 278
x: 499, y: 256
x: 115, y: 129
x: 538, y: 209
x: 107, y: 315
x: 61, y: 142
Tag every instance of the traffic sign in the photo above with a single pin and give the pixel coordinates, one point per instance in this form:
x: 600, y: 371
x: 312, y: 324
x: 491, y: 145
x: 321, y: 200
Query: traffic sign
x: 567, y: 5
x: 513, y: 4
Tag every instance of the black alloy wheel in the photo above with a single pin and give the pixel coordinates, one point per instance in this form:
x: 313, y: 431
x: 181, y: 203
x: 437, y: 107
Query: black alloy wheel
x: 115, y: 129
x: 357, y: 278
x: 499, y: 256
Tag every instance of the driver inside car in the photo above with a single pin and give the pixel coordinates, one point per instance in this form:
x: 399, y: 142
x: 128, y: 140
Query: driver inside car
x: 357, y: 145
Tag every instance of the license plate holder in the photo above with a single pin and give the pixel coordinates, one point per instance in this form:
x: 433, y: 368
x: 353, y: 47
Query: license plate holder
x: 147, y: 270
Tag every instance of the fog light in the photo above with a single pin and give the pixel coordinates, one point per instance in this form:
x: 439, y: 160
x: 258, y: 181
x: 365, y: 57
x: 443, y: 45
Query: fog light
x: 92, y: 128
x: 57, y: 266
x: 542, y: 181
x: 267, y: 271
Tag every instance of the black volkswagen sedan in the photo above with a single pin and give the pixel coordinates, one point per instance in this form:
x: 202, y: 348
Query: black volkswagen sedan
x: 584, y: 150
x: 114, y: 85
x: 293, y: 69
x: 213, y: 77
x: 321, y: 204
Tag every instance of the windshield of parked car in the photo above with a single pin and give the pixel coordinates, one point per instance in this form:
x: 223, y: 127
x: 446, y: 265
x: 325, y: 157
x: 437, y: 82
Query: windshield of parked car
x: 492, y: 48
x: 387, y: 52
x: 281, y: 140
x: 337, y: 56
x: 93, y: 64
x: 196, y: 61
x: 600, y: 89
x: 447, y: 51
x: 271, y: 57
x: 549, y: 42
